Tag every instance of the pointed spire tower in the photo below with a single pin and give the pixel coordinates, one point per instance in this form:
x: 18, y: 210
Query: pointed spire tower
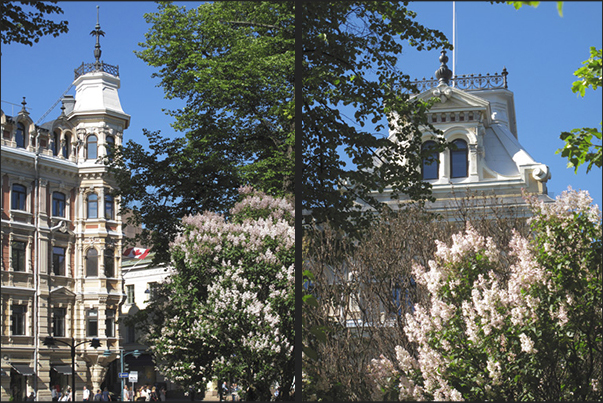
x: 96, y: 94
x: 99, y: 122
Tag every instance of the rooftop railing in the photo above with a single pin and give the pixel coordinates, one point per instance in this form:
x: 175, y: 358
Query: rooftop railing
x: 94, y: 67
x: 468, y: 82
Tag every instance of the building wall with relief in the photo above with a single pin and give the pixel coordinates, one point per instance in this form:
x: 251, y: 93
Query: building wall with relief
x: 61, y: 240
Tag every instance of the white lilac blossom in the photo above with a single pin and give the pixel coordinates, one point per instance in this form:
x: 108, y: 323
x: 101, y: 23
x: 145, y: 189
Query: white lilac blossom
x: 489, y: 336
x: 231, y: 300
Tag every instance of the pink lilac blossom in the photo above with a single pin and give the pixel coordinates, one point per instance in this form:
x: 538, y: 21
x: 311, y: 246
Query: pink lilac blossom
x: 494, y: 310
x: 232, y: 293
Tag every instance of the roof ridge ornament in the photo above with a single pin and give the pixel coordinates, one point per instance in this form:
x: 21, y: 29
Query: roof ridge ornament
x: 443, y: 74
x: 23, y: 109
x: 98, y: 33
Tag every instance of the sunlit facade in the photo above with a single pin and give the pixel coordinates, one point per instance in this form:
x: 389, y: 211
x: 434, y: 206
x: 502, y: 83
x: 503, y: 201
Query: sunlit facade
x: 62, y: 240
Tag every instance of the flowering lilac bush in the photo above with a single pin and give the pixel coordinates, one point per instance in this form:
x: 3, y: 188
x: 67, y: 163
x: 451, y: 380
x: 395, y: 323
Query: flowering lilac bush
x: 229, y: 308
x: 528, y: 331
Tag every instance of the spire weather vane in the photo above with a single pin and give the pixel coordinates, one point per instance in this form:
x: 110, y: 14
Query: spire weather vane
x: 98, y: 33
x: 98, y: 65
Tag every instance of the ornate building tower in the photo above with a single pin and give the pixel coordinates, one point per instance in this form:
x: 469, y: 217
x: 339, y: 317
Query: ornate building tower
x: 476, y: 114
x: 62, y: 240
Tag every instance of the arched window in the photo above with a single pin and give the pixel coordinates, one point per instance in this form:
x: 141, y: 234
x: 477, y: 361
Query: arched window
x: 58, y: 204
x: 110, y: 146
x: 19, y: 195
x: 92, y: 263
x: 20, y: 135
x: 56, y: 143
x: 91, y: 147
x: 458, y: 160
x: 431, y: 162
x: 109, y: 207
x: 92, y: 206
x: 67, y: 148
x: 109, y: 263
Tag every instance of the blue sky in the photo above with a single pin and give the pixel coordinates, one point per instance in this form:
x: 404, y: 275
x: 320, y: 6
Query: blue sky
x: 540, y: 50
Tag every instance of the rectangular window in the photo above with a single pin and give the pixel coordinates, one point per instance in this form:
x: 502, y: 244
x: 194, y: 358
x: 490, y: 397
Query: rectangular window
x: 109, y: 263
x: 58, y: 204
x: 92, y: 206
x: 152, y: 287
x: 91, y: 263
x: 18, y: 320
x: 130, y: 294
x: 19, y: 195
x: 110, y: 323
x: 58, y: 322
x: 58, y: 261
x: 109, y: 207
x: 92, y: 323
x: 18, y: 255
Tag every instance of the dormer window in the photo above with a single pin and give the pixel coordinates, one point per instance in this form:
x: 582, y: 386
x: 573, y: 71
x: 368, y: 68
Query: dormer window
x: 20, y: 135
x: 458, y: 160
x: 67, y: 147
x: 431, y: 163
x: 56, y: 143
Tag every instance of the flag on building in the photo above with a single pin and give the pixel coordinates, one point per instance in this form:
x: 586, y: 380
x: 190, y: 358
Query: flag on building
x: 136, y: 253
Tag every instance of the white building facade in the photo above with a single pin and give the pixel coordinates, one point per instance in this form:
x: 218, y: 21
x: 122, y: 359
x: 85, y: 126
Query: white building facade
x: 62, y: 240
x: 477, y: 114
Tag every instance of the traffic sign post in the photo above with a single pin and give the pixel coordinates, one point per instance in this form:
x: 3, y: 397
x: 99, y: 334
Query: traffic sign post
x: 133, y: 376
x: 127, y: 376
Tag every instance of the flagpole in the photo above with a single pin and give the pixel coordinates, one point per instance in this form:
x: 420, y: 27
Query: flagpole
x: 453, y: 42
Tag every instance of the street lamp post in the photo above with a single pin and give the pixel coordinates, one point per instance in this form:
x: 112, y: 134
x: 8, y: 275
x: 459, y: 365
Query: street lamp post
x: 50, y: 341
x: 122, y: 354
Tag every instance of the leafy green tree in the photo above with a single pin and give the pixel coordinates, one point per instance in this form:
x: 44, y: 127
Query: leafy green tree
x: 228, y: 310
x: 24, y: 21
x: 233, y: 64
x: 580, y: 144
x: 350, y: 59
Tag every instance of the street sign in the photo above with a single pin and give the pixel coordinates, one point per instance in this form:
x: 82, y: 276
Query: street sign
x: 133, y: 377
x: 123, y: 375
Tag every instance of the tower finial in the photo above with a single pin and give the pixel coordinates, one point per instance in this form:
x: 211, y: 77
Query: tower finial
x: 98, y: 33
x: 443, y: 74
x: 23, y: 109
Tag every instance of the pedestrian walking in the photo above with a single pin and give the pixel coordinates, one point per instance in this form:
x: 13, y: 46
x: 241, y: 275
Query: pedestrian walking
x: 141, y: 395
x: 86, y: 393
x: 127, y: 394
x: 98, y: 396
x: 105, y: 395
x: 224, y: 393
x: 234, y: 392
x: 154, y: 397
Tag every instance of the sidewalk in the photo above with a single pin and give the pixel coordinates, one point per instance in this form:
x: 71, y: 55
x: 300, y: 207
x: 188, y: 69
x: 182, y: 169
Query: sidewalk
x: 211, y: 397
